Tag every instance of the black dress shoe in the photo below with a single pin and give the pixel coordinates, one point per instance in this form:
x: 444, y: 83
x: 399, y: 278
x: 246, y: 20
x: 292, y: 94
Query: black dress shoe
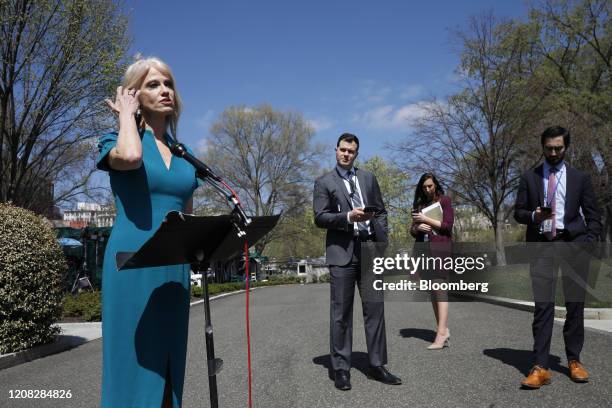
x: 342, y: 380
x: 381, y: 374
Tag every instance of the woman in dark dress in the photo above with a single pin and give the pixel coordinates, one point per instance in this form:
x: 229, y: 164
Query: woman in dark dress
x: 423, y: 229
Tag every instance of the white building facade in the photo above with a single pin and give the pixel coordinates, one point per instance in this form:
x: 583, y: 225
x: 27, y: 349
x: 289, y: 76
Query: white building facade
x: 92, y: 214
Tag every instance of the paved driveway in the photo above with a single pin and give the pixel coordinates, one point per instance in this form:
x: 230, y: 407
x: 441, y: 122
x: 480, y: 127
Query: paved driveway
x: 489, y: 354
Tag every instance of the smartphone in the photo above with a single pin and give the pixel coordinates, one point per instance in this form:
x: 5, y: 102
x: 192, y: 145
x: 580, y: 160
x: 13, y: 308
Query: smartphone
x: 370, y: 209
x: 546, y: 210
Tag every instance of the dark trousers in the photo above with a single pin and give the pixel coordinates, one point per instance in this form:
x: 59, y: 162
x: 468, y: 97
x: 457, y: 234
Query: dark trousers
x: 343, y: 280
x: 574, y: 265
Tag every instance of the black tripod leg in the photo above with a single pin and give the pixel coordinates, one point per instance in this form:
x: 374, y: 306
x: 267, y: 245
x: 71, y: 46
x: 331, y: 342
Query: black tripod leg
x: 214, y: 364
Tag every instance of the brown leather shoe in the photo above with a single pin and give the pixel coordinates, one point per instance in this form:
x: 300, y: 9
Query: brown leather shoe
x: 577, y: 372
x: 537, y: 377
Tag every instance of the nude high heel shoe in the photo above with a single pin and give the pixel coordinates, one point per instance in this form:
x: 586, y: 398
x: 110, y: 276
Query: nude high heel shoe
x: 440, y: 342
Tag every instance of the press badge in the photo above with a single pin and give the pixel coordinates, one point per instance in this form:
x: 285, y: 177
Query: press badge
x: 547, y: 225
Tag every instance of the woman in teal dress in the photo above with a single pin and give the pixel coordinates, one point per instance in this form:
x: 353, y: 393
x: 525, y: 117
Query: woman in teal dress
x: 145, y: 312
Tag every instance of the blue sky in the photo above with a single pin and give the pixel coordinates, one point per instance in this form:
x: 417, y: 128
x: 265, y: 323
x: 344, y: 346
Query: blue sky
x: 357, y: 66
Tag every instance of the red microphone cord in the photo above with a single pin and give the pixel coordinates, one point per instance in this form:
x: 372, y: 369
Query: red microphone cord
x: 248, y: 275
x: 248, y: 328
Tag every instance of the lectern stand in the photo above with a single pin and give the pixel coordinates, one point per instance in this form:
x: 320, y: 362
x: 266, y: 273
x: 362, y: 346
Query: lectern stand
x: 182, y: 239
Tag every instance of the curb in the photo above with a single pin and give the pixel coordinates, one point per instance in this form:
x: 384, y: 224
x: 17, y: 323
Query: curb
x: 589, y: 312
x: 67, y: 342
x: 62, y: 343
x: 222, y: 295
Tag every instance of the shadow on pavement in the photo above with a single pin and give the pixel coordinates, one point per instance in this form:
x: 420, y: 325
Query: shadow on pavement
x: 71, y: 339
x: 359, y: 361
x: 522, y: 360
x: 423, y: 334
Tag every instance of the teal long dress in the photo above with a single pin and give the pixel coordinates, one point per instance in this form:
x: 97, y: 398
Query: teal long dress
x: 145, y: 312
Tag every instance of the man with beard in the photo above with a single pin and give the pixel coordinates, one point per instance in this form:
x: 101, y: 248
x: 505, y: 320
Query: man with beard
x: 557, y: 203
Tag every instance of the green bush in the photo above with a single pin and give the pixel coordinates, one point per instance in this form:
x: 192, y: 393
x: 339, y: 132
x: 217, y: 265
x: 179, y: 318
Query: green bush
x: 196, y: 291
x: 215, y: 288
x: 325, y: 278
x: 283, y: 279
x: 226, y: 287
x: 85, y: 305
x: 32, y: 267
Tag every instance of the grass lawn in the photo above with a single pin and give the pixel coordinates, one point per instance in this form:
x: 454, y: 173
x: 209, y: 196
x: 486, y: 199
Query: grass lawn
x: 513, y: 281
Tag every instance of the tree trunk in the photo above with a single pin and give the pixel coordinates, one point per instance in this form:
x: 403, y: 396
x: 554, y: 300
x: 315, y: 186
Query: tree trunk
x: 498, y: 229
x: 606, y: 235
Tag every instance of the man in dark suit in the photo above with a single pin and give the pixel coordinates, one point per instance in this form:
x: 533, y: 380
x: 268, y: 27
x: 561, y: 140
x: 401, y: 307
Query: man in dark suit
x: 340, y: 197
x: 558, y: 205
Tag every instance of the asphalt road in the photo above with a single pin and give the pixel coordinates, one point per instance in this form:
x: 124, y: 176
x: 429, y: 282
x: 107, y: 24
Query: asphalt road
x: 488, y: 357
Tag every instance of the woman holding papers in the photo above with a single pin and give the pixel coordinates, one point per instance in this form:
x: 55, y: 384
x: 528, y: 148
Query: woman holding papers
x: 145, y: 310
x: 432, y: 221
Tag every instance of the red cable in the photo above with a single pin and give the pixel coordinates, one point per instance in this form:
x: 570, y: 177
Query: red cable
x: 248, y: 328
x: 248, y: 275
x: 230, y: 189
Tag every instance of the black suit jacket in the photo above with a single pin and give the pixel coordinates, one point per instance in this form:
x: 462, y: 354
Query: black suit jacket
x: 579, y: 196
x: 331, y: 202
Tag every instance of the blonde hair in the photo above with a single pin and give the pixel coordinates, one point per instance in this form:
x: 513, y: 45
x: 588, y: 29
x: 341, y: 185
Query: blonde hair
x: 135, y: 75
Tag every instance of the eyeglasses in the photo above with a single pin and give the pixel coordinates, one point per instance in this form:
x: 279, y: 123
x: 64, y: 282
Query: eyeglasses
x: 556, y: 149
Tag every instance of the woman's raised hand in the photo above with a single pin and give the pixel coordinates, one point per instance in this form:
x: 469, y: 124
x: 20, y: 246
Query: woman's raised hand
x: 126, y: 101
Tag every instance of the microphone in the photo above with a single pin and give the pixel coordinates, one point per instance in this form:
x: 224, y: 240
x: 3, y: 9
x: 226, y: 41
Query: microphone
x: 203, y: 170
x: 205, y: 173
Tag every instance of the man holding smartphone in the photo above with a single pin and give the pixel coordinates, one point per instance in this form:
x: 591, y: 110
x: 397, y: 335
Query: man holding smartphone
x: 557, y: 203
x: 348, y: 203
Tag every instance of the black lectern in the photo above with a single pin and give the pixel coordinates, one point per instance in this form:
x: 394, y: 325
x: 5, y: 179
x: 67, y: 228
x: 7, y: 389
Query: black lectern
x: 182, y: 239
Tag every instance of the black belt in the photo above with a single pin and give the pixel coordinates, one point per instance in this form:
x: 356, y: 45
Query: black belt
x: 365, y: 237
x: 560, y: 234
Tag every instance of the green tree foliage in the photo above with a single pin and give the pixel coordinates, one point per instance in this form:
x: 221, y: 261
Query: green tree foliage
x: 59, y: 59
x: 301, y: 238
x: 397, y: 194
x: 32, y: 268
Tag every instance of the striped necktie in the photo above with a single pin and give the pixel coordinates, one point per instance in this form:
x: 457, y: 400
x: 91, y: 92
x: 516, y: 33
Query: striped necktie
x: 356, y: 199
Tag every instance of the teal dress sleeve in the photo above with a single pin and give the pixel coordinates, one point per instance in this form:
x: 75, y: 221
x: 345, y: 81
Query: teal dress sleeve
x: 105, y: 144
